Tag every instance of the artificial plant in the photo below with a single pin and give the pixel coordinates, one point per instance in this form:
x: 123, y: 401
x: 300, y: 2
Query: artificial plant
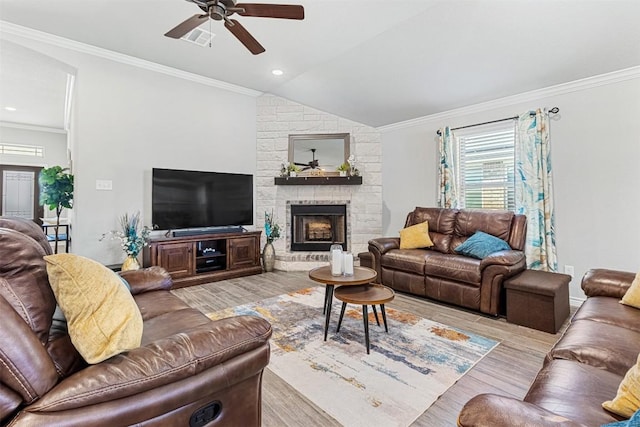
x: 56, y: 192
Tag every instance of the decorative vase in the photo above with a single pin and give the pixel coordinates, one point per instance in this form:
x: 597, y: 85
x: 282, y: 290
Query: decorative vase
x: 130, y: 263
x: 293, y: 174
x: 343, y: 173
x: 268, y: 257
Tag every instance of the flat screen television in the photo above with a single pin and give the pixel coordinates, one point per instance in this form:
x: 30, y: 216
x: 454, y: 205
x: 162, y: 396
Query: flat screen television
x: 192, y: 199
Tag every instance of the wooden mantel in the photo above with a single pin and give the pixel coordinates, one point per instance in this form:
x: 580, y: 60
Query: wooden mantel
x: 318, y: 180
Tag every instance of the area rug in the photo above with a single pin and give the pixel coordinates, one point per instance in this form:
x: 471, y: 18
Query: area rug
x: 406, y: 371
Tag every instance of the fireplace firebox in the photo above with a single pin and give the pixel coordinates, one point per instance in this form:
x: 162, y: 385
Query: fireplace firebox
x: 317, y: 227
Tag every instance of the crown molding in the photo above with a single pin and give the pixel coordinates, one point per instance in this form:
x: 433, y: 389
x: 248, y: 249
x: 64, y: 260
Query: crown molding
x: 37, y: 128
x: 560, y: 89
x: 39, y: 36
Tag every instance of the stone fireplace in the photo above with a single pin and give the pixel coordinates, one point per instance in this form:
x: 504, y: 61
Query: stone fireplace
x: 315, y: 227
x: 362, y: 204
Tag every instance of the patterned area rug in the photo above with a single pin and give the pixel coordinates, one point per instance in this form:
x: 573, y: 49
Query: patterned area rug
x: 407, y: 370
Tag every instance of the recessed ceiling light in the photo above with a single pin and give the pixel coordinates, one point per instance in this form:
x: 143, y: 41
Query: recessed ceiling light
x: 10, y: 108
x: 277, y: 72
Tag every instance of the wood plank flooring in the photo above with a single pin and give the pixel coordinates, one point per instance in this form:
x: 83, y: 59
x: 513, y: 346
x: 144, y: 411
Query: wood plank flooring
x: 508, y: 370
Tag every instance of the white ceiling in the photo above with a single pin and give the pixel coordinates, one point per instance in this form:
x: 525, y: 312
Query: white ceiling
x: 375, y: 62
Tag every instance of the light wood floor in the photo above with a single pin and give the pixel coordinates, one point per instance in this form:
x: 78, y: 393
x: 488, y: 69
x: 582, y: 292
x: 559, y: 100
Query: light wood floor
x: 508, y: 370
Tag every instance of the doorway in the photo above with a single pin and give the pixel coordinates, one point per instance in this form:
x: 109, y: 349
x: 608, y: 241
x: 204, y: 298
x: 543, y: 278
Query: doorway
x: 20, y: 192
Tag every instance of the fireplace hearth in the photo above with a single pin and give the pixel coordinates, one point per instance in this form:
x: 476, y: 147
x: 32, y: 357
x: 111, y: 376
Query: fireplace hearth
x: 317, y: 227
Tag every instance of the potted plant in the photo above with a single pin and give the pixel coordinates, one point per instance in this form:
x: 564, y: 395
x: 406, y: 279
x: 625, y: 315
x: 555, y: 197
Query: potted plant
x: 132, y: 238
x: 344, y: 168
x: 56, y: 192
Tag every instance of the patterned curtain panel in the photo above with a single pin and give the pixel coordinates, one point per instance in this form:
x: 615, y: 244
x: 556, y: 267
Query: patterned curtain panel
x: 534, y: 190
x: 448, y: 194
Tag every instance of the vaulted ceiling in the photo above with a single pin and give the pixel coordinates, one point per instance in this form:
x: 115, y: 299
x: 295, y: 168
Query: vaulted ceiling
x: 375, y: 62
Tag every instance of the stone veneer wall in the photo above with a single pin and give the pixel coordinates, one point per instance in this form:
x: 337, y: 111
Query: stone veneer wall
x: 276, y: 119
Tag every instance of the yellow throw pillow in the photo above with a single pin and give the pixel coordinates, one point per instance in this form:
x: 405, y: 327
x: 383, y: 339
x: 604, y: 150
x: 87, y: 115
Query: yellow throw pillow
x: 102, y: 316
x: 416, y: 236
x: 632, y: 296
x: 627, y: 400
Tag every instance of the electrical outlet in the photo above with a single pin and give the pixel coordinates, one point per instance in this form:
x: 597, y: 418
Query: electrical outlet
x: 568, y: 269
x: 104, y: 184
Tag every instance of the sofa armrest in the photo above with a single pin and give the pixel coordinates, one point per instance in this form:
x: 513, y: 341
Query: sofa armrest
x: 491, y: 410
x: 157, y: 364
x: 147, y: 279
x: 384, y: 244
x: 507, y: 258
x: 608, y: 283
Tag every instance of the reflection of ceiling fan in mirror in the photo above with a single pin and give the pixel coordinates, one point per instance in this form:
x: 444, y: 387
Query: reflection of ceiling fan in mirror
x: 221, y: 10
x: 312, y: 164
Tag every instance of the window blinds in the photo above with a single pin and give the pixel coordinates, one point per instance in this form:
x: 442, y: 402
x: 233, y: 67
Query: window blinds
x: 486, y: 159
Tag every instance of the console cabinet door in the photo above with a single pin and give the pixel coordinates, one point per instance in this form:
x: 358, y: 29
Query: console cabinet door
x: 176, y: 258
x: 244, y: 252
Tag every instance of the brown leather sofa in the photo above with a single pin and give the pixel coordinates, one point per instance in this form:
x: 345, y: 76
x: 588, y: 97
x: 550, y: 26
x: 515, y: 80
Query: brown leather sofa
x: 584, y: 368
x: 189, y: 370
x: 440, y: 273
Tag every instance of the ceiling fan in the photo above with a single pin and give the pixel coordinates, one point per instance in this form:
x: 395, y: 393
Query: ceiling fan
x: 221, y: 10
x: 312, y: 164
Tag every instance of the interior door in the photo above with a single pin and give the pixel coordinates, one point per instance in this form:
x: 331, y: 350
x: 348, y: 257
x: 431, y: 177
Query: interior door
x: 20, y: 192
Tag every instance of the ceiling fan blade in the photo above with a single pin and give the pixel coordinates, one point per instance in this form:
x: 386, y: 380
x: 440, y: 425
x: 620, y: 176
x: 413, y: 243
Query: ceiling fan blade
x: 186, y: 26
x: 283, y: 11
x: 243, y: 35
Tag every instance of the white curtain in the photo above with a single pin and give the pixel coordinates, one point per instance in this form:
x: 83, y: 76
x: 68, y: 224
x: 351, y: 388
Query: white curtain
x: 534, y: 190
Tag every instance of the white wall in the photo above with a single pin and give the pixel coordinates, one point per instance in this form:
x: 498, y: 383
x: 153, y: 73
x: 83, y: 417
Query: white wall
x: 127, y: 120
x: 595, y: 144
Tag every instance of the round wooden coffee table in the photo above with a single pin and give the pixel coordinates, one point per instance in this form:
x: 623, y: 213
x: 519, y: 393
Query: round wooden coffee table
x: 361, y: 276
x: 365, y: 295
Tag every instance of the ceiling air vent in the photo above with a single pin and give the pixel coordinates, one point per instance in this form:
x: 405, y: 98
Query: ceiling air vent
x: 198, y: 36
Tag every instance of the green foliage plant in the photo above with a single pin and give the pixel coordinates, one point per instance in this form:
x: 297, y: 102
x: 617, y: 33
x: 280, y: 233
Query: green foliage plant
x: 56, y: 192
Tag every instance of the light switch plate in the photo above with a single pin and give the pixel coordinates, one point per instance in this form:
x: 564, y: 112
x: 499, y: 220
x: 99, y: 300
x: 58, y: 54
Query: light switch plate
x: 104, y: 184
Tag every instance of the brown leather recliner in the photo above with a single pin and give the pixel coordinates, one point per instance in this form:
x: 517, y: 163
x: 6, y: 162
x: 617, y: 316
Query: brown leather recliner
x: 189, y: 370
x: 582, y: 370
x: 439, y: 272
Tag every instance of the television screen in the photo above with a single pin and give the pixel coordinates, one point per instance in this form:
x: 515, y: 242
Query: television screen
x: 192, y: 199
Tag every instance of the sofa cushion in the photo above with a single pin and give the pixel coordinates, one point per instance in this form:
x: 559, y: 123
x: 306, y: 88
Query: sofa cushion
x: 481, y: 245
x: 627, y: 400
x: 598, y: 344
x: 609, y: 310
x: 632, y: 296
x: 494, y: 222
x: 453, y: 267
x: 441, y: 225
x: 415, y: 236
x: 574, y: 390
x: 102, y: 317
x: 156, y: 303
x: 409, y: 260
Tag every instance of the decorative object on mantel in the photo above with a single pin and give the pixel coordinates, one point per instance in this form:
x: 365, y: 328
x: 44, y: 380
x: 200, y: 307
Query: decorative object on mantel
x: 289, y: 169
x: 353, y: 171
x: 272, y: 232
x: 318, y: 180
x: 343, y: 169
x: 132, y: 239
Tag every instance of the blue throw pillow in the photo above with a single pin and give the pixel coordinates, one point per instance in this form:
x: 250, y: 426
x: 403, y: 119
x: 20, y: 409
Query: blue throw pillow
x: 634, y: 421
x: 481, y: 245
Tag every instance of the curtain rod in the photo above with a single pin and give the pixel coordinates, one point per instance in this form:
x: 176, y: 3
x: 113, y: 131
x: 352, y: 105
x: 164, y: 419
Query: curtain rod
x: 554, y: 110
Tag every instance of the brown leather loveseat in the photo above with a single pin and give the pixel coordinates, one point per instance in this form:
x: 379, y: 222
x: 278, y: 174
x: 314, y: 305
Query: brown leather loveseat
x: 442, y: 274
x: 187, y: 371
x: 583, y: 369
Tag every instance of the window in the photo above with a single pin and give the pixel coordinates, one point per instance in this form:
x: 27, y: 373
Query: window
x: 486, y: 158
x: 21, y: 150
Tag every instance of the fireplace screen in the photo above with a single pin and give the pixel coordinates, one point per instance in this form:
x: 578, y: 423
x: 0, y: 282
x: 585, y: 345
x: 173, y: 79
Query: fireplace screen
x: 317, y: 227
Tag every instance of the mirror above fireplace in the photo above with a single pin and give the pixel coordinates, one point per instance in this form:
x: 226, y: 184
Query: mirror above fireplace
x: 319, y: 154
